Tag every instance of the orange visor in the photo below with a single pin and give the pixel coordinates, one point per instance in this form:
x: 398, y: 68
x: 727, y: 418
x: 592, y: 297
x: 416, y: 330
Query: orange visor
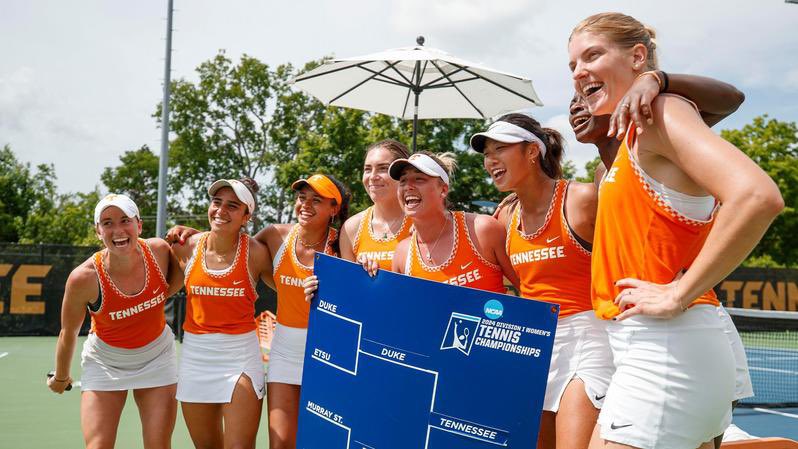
x: 321, y: 185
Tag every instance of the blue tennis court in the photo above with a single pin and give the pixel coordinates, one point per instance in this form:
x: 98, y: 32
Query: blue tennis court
x: 765, y: 422
x: 771, y: 346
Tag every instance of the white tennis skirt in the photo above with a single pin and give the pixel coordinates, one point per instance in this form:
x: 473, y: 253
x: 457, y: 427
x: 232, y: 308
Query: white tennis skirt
x: 287, y: 355
x: 674, y: 380
x: 581, y: 350
x: 742, y: 378
x: 108, y: 368
x: 211, y: 364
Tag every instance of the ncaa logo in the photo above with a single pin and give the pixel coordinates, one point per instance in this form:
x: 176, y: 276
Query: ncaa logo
x: 460, y: 332
x: 494, y: 309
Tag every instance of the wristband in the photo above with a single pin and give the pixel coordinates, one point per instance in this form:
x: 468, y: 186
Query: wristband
x: 656, y: 77
x: 664, y: 81
x: 60, y: 380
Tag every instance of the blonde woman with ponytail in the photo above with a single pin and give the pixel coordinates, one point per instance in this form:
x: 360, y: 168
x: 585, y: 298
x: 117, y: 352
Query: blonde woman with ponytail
x: 549, y: 227
x: 678, y: 210
x: 454, y: 247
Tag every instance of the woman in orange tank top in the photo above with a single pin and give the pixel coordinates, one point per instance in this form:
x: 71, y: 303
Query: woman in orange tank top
x: 375, y: 232
x: 321, y: 202
x: 549, y: 232
x: 454, y: 247
x: 221, y: 378
x: 124, y: 287
x: 715, y: 100
x: 655, y: 221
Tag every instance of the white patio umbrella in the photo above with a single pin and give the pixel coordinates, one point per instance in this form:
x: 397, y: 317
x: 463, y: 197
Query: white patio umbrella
x: 419, y: 83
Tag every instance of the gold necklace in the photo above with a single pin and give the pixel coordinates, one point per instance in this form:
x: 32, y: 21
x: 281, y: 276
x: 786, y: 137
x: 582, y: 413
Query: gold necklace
x: 313, y: 245
x: 437, y: 239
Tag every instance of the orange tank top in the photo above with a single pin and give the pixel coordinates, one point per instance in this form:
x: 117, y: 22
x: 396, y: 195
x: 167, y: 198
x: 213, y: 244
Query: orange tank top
x: 374, y: 247
x: 220, y: 301
x: 550, y: 263
x: 289, y: 273
x: 464, y: 267
x: 638, y: 235
x: 130, y: 321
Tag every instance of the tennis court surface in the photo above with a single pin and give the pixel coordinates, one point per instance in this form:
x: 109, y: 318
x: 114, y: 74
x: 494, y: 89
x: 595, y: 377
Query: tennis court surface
x: 32, y: 417
x: 771, y: 346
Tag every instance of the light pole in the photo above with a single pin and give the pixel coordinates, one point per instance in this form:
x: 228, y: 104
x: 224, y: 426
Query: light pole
x: 160, y: 221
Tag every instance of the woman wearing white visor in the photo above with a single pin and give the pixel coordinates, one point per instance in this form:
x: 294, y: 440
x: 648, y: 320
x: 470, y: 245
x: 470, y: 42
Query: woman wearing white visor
x: 221, y: 378
x: 457, y: 248
x: 124, y: 287
x: 549, y: 235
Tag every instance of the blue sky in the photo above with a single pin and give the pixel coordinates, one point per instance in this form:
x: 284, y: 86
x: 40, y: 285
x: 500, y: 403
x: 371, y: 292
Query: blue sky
x: 80, y: 80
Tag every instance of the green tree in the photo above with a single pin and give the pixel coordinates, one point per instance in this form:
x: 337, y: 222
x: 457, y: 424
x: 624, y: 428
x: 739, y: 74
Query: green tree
x: 590, y: 170
x: 773, y: 144
x: 569, y: 169
x: 17, y: 185
x: 66, y: 219
x: 236, y: 120
x: 137, y: 177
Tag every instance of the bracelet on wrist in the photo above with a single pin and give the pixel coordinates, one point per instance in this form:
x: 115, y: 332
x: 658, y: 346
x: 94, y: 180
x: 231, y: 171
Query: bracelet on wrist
x: 654, y: 74
x: 664, y: 81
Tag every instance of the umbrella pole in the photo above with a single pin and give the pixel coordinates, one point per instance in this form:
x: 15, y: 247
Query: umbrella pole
x: 415, y: 121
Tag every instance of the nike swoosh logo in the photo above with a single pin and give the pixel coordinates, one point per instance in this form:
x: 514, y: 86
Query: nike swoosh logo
x: 614, y: 427
x: 156, y: 291
x: 463, y: 267
x: 552, y: 239
x: 237, y: 282
x: 598, y: 398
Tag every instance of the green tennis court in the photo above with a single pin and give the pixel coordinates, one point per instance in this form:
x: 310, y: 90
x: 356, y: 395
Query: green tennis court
x: 33, y: 417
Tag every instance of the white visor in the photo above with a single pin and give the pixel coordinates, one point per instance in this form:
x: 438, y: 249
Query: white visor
x: 124, y: 203
x: 422, y: 162
x: 242, y: 191
x: 505, y: 132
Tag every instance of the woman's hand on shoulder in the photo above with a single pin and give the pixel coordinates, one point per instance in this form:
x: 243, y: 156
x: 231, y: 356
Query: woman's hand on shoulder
x: 183, y: 251
x: 178, y: 234
x: 635, y: 106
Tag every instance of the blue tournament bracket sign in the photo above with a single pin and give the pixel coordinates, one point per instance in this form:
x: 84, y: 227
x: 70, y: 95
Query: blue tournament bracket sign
x: 399, y: 362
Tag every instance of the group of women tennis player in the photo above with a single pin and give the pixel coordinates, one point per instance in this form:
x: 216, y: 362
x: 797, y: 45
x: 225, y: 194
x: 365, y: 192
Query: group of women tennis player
x: 644, y: 355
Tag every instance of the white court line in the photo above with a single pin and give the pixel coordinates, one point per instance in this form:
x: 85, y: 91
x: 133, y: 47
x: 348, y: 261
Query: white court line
x: 3, y: 354
x: 773, y: 370
x: 774, y: 412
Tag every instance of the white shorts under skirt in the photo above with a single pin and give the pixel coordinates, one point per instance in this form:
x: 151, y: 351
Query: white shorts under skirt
x: 108, y: 368
x: 742, y: 378
x: 211, y: 364
x: 581, y: 350
x: 674, y: 381
x: 287, y: 355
